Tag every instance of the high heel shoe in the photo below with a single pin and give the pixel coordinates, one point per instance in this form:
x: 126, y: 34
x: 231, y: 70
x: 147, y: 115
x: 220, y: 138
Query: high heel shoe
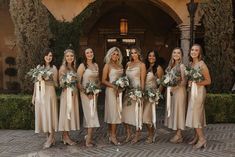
x: 194, y: 141
x: 136, y: 139
x: 200, y: 144
x: 176, y: 139
x: 68, y: 141
x: 113, y: 140
x: 88, y: 142
x: 128, y: 138
x: 49, y: 143
x: 149, y: 139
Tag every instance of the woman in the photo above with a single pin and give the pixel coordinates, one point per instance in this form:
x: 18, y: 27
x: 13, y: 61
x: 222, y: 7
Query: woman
x: 46, y: 117
x: 175, y: 117
x: 111, y: 72
x: 196, y: 110
x: 88, y: 71
x: 136, y: 73
x: 154, y: 72
x: 69, y: 109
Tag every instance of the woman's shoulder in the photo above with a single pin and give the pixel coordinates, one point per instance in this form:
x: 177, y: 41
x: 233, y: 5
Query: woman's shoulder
x: 63, y: 67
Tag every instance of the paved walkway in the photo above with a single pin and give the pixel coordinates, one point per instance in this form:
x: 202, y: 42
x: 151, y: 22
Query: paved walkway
x: 24, y: 143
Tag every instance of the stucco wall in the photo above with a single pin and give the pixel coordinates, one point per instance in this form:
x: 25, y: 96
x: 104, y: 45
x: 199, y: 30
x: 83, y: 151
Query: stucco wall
x: 7, y: 40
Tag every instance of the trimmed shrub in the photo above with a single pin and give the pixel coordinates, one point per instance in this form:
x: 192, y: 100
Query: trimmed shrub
x: 220, y: 108
x: 17, y: 112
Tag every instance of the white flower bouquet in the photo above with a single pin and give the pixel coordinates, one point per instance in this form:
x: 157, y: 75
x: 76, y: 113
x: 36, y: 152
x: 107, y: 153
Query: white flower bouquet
x: 193, y: 74
x: 171, y: 78
x: 69, y: 79
x: 40, y: 73
x: 135, y: 94
x: 92, y: 88
x: 122, y: 83
x: 153, y: 95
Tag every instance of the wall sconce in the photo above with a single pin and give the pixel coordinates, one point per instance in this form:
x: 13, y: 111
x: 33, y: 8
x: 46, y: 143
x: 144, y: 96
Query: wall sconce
x: 123, y: 26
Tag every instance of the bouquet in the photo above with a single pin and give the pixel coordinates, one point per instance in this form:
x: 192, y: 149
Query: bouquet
x: 171, y: 78
x: 121, y: 83
x: 134, y: 94
x: 92, y: 88
x: 40, y: 73
x: 194, y: 75
x: 153, y: 95
x: 69, y: 80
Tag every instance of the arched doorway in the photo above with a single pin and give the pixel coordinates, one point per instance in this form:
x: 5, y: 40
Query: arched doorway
x: 149, y: 27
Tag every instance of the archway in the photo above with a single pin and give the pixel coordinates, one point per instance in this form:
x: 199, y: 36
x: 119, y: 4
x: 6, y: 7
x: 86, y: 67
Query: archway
x: 150, y: 27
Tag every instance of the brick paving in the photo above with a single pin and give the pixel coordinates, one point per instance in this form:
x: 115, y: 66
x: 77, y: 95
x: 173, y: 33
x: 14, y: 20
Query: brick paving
x: 25, y: 143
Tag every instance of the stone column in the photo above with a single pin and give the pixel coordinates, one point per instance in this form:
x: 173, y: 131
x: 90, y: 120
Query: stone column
x: 185, y: 41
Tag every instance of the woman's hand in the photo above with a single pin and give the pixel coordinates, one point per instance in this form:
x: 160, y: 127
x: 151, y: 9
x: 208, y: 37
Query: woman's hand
x: 90, y: 96
x: 190, y: 83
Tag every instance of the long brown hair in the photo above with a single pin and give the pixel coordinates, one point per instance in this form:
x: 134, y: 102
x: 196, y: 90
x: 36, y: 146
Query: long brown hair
x: 45, y: 52
x: 85, y: 59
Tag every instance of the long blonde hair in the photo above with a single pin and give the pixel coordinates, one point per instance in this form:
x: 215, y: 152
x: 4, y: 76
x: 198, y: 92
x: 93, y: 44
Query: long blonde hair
x: 108, y: 56
x: 65, y: 62
x: 138, y: 50
x: 172, y: 61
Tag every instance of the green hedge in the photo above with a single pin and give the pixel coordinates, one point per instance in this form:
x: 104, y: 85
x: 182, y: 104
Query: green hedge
x: 220, y: 108
x: 17, y: 112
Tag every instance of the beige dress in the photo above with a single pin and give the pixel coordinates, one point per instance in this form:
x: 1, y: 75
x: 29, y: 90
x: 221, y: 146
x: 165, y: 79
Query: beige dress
x: 149, y: 83
x: 111, y: 100
x: 128, y: 112
x: 196, y: 111
x: 66, y: 124
x: 46, y: 117
x: 89, y: 75
x: 176, y: 120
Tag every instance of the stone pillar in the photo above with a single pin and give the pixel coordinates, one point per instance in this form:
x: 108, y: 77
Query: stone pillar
x: 185, y: 41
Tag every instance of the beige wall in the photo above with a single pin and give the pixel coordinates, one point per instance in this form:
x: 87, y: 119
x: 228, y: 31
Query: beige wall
x: 7, y: 42
x: 65, y: 11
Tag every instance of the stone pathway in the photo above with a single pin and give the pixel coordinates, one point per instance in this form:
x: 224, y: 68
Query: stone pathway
x: 24, y: 143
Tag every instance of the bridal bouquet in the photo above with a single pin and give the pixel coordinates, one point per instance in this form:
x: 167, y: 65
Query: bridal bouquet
x: 153, y: 95
x: 92, y: 88
x: 122, y: 83
x: 134, y: 94
x: 171, y: 78
x: 194, y: 74
x: 69, y: 80
x: 40, y: 73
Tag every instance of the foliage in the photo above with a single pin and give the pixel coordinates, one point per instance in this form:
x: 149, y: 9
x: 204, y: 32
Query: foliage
x: 66, y: 33
x: 32, y: 32
x: 218, y: 24
x: 220, y: 108
x: 16, y: 112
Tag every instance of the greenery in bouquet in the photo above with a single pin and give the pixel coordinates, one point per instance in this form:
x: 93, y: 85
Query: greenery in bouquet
x: 40, y: 73
x: 194, y: 74
x: 69, y: 80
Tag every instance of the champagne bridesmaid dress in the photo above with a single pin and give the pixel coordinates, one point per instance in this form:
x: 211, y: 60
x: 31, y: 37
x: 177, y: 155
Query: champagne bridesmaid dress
x: 176, y: 120
x: 111, y: 100
x: 73, y: 123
